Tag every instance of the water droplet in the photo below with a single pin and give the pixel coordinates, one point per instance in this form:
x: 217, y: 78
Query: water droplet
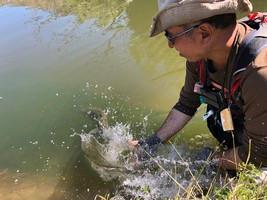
x: 34, y: 143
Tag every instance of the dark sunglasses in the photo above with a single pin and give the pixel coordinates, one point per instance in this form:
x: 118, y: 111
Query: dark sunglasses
x: 171, y: 39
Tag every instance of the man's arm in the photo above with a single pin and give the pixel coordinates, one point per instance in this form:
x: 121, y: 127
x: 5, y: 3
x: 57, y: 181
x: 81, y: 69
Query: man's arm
x: 175, y: 121
x: 188, y: 104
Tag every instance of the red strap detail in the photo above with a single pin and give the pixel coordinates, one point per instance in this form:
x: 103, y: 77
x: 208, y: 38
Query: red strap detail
x: 216, y: 85
x: 200, y: 70
x: 251, y: 16
x: 236, y: 84
x: 259, y: 16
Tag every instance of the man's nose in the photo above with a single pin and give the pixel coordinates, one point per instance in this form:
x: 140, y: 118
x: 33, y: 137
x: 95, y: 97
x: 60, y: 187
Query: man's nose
x: 171, y: 45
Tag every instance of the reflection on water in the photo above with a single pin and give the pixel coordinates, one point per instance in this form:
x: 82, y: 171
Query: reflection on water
x: 58, y: 58
x: 105, y: 12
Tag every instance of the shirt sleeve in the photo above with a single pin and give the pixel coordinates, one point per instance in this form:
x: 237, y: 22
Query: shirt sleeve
x: 254, y: 93
x: 189, y: 100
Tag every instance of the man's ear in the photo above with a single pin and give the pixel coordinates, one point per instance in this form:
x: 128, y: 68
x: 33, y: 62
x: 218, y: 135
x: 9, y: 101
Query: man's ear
x: 205, y: 32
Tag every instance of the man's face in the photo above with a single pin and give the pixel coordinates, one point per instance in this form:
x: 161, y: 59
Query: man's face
x: 185, y: 42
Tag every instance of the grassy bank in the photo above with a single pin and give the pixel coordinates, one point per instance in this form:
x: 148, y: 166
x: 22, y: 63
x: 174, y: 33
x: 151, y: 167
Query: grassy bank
x: 250, y: 183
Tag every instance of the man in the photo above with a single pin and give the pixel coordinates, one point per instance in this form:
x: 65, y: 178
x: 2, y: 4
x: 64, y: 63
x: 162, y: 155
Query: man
x: 207, y: 34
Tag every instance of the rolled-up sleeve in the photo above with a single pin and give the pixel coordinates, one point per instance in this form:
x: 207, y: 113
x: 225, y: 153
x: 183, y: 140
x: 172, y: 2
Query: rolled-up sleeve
x: 189, y: 100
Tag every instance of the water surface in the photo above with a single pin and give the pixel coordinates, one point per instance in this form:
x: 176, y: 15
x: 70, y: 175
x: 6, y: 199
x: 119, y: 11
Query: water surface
x: 59, y: 57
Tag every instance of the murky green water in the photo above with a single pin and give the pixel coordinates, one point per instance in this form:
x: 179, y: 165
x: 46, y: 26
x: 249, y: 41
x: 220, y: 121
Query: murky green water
x: 59, y: 57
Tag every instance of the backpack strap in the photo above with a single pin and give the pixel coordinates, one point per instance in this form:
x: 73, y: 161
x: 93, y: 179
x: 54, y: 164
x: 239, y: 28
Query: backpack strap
x: 252, y: 45
x: 201, y: 71
x: 249, y: 49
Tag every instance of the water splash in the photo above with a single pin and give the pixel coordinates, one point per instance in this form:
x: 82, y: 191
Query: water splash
x: 170, y: 173
x: 106, y: 147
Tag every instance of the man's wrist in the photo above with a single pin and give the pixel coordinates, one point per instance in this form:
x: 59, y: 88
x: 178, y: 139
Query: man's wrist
x: 150, y: 141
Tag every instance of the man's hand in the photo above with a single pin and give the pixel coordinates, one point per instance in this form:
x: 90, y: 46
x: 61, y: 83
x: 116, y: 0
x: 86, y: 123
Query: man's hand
x: 133, y: 144
x: 150, y: 141
x: 148, y: 147
x: 228, y: 159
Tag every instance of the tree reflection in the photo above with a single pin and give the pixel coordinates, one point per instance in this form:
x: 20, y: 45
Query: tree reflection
x: 103, y: 11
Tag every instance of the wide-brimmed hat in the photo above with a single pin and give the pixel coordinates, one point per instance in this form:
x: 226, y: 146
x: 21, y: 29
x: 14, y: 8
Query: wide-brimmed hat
x: 178, y: 12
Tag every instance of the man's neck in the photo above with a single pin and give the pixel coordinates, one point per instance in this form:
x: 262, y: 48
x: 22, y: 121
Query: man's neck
x: 221, y: 49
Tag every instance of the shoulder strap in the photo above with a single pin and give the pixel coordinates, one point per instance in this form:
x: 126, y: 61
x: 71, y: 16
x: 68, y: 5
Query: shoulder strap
x: 201, y: 71
x: 252, y: 45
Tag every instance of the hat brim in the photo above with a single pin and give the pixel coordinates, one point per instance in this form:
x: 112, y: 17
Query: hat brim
x: 189, y: 11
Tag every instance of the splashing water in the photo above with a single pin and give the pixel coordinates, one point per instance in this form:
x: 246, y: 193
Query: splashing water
x: 171, y: 174
x: 167, y: 175
x: 107, y: 149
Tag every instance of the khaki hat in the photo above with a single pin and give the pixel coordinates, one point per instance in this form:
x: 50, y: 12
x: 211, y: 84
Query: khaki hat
x: 177, y: 12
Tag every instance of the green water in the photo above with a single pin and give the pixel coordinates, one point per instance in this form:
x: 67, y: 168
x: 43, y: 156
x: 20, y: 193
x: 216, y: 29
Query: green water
x: 58, y: 57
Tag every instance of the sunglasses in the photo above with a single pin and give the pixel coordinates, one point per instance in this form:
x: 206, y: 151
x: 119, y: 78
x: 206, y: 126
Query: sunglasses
x: 171, y: 39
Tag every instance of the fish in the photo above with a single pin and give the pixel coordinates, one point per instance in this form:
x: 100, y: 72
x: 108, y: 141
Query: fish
x: 106, y: 147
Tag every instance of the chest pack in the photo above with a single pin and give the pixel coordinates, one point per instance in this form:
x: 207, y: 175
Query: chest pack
x: 212, y: 93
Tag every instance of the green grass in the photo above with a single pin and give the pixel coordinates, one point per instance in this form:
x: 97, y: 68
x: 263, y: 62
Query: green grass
x: 247, y: 185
